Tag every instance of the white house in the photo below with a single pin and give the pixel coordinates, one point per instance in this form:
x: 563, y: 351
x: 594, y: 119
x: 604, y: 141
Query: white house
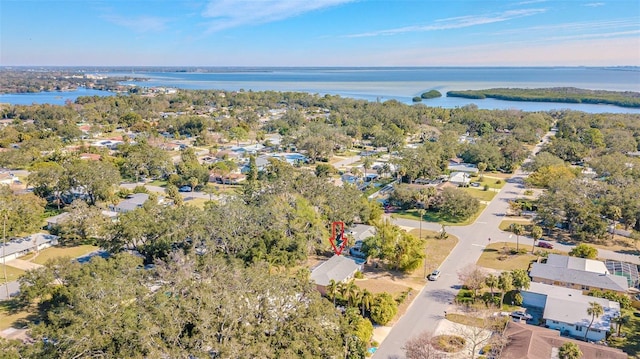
x: 132, y: 202
x: 565, y: 309
x: 18, y: 247
x: 459, y: 178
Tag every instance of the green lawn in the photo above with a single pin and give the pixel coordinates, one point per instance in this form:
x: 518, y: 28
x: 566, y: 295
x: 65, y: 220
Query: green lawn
x: 57, y: 252
x: 491, y: 181
x: 436, y: 217
x: 12, y: 273
x: 10, y: 316
x: 159, y: 183
x: 197, y: 202
x: 505, y: 224
x: 480, y: 194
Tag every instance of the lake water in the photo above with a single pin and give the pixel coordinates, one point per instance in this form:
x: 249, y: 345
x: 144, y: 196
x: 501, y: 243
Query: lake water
x: 53, y: 97
x: 403, y: 84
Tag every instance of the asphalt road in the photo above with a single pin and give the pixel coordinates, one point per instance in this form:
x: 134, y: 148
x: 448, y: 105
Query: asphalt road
x: 158, y: 189
x: 429, y: 306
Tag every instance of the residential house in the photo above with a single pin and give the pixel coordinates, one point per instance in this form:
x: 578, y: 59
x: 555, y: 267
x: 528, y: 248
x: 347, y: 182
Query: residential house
x: 53, y: 222
x: 565, y: 309
x: 462, y: 167
x: 19, y: 247
x: 532, y: 342
x: 577, y: 273
x: 132, y: 202
x: 337, y: 268
x: 460, y: 178
x: 356, y: 236
x: 230, y: 179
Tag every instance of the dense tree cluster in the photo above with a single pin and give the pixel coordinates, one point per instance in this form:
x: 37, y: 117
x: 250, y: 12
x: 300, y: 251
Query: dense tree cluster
x: 588, y: 206
x: 557, y: 94
x: 185, y: 307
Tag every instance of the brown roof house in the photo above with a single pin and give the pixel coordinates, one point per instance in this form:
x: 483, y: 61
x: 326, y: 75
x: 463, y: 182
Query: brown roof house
x: 532, y: 342
x: 337, y: 268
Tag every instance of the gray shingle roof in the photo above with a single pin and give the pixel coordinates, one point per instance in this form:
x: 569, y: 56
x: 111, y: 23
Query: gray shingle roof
x: 337, y: 268
x: 557, y: 270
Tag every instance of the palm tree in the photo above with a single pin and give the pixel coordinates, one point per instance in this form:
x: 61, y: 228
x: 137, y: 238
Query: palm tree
x: 569, y: 350
x: 518, y: 230
x: 349, y: 292
x: 332, y: 291
x: 491, y: 281
x: 594, y: 310
x: 482, y: 167
x: 505, y: 284
x: 620, y: 321
x: 366, y: 164
x: 536, y: 234
x: 366, y: 299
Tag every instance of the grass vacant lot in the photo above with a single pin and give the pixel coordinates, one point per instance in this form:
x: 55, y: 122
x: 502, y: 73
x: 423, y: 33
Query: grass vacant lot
x: 436, y: 217
x: 480, y: 194
x: 436, y: 249
x: 57, y: 252
x: 12, y: 273
x: 493, y: 256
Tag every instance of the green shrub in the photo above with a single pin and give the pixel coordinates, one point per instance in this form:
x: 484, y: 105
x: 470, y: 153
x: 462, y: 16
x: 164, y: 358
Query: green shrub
x: 486, y: 187
x: 358, y: 275
x: 498, y: 181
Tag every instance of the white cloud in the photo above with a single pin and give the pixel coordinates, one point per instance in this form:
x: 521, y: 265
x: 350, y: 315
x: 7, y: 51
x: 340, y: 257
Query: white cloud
x: 224, y: 14
x: 579, y: 27
x: 594, y: 4
x: 139, y: 24
x: 456, y: 22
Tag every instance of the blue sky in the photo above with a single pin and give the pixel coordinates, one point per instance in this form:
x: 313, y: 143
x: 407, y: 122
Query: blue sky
x: 319, y: 33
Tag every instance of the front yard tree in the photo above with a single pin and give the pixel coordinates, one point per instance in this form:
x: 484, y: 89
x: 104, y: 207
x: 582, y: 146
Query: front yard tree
x: 457, y: 204
x: 521, y: 279
x: 536, y: 234
x: 583, y: 250
x: 84, y: 223
x: 97, y: 180
x: 505, y: 284
x: 383, y: 308
x: 419, y: 347
x: 491, y: 281
x: 473, y: 278
x: 518, y: 230
x: 21, y: 212
x: 47, y: 179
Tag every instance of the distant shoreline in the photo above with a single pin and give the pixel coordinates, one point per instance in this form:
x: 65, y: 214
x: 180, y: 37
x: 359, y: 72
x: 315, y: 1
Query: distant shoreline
x: 557, y: 95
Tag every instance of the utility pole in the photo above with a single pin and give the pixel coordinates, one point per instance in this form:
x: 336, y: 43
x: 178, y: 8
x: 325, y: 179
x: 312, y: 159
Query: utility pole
x: 425, y: 254
x: 4, y: 257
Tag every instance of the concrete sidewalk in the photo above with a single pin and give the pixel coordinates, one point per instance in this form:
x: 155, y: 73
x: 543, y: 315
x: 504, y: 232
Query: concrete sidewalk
x: 24, y: 265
